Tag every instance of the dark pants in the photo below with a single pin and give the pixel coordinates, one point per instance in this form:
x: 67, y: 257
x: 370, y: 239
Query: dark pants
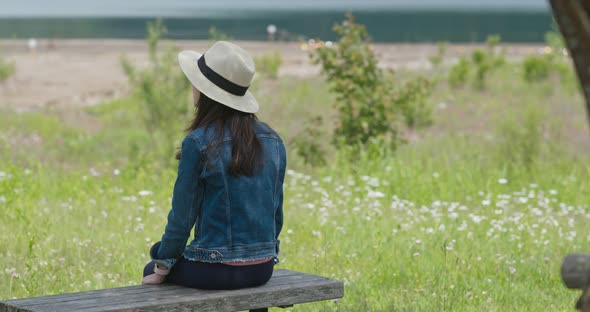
x: 205, y: 275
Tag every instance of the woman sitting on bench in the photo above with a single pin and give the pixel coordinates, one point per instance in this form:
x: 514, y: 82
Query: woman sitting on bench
x: 229, y: 185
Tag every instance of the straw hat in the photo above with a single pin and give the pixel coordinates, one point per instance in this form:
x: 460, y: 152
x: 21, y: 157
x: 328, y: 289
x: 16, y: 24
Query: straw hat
x: 223, y: 73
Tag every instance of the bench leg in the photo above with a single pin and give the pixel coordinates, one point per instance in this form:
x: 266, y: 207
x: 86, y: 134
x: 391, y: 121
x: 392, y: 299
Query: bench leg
x: 260, y: 310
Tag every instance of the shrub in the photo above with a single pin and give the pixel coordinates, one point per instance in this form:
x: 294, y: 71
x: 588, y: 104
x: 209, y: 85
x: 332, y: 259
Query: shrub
x: 161, y: 87
x: 553, y: 61
x: 486, y: 61
x: 459, y: 73
x: 269, y: 64
x: 482, y: 67
x: 368, y: 101
x: 412, y: 99
x: 482, y: 61
x: 6, y: 69
x: 537, y: 68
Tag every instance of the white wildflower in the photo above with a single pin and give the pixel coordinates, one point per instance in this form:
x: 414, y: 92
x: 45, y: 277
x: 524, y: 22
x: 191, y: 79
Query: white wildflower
x: 512, y: 270
x: 145, y: 193
x: 375, y: 194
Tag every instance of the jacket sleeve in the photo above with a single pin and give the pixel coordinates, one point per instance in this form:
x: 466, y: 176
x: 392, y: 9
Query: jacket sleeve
x: 281, y: 177
x: 183, y: 214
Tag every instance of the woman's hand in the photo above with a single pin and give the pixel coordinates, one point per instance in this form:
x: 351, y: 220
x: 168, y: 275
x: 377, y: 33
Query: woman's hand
x: 153, y: 279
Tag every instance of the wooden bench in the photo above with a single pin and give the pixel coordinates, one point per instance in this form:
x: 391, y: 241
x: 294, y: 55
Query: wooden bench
x: 284, y: 289
x: 575, y: 273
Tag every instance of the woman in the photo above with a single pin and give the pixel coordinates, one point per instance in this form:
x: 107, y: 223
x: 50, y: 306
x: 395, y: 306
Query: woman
x: 229, y: 185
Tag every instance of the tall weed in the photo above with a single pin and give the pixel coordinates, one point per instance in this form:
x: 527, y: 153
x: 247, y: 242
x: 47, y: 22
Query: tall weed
x: 269, y: 64
x: 520, y: 140
x: 162, y: 89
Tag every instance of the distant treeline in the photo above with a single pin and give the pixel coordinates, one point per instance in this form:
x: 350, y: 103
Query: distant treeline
x: 383, y: 26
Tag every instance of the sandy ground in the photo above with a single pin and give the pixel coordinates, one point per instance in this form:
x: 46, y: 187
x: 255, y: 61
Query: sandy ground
x: 73, y: 73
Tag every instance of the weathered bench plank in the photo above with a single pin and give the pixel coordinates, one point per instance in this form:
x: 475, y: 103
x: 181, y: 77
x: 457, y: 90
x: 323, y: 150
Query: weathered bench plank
x: 285, y: 288
x: 129, y: 291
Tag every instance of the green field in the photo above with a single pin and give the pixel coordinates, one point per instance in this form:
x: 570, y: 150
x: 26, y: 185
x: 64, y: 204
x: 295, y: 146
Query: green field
x: 473, y: 213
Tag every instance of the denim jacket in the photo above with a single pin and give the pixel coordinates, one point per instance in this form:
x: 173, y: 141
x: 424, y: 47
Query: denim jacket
x: 234, y: 218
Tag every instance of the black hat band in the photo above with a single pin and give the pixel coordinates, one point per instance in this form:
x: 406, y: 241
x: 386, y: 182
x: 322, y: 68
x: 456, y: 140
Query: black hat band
x: 219, y: 80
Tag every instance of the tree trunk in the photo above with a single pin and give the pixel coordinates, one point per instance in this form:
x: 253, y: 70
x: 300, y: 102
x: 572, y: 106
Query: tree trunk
x: 573, y: 19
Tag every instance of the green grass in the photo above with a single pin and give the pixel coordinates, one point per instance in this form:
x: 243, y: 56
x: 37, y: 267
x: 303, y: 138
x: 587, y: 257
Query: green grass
x: 452, y: 221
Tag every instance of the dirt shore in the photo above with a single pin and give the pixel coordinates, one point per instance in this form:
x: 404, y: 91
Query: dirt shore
x: 71, y: 73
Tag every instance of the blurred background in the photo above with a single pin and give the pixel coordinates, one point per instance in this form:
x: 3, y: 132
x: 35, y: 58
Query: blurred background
x: 389, y: 20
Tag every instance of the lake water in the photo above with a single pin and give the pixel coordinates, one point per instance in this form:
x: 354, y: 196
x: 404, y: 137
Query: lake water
x: 386, y: 20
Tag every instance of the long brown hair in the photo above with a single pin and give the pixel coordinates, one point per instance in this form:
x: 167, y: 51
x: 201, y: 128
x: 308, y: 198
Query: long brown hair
x: 246, y: 148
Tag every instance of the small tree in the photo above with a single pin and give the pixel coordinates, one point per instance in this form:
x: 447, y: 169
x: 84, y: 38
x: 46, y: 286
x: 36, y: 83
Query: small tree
x: 352, y: 72
x: 367, y: 100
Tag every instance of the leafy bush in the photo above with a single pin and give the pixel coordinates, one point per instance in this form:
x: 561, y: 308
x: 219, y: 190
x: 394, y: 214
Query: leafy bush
x: 486, y: 61
x: 553, y: 62
x: 482, y: 67
x: 161, y: 87
x: 6, y: 69
x: 368, y: 101
x: 554, y: 39
x: 482, y: 62
x: 459, y: 73
x: 269, y: 64
x: 412, y: 99
x: 537, y: 68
